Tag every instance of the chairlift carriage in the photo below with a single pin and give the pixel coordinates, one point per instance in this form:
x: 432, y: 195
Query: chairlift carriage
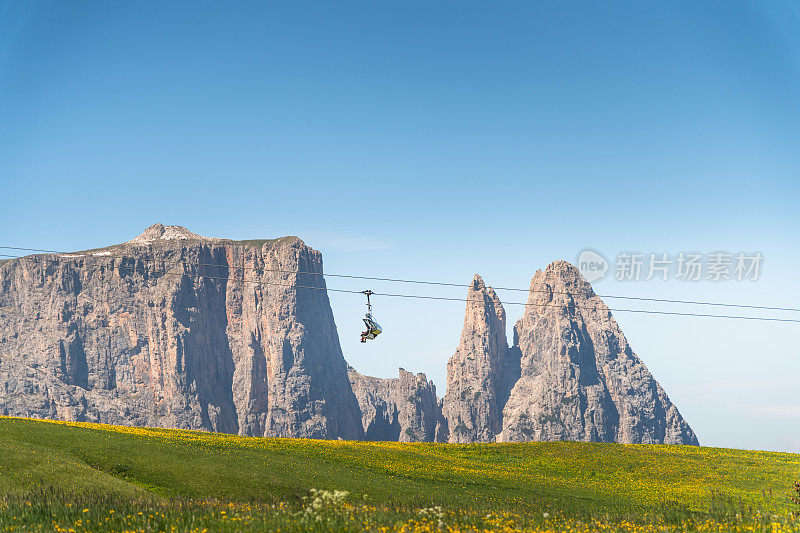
x: 373, y: 328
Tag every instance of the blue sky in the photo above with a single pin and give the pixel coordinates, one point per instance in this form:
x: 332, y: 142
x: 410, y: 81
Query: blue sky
x: 433, y: 142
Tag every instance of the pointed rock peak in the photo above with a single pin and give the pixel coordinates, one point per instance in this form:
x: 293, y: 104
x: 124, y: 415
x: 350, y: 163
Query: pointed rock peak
x: 561, y: 265
x: 477, y: 373
x: 564, y: 269
x: 477, y: 283
x: 160, y: 232
x: 477, y: 292
x: 479, y: 286
x: 579, y: 377
x: 563, y: 275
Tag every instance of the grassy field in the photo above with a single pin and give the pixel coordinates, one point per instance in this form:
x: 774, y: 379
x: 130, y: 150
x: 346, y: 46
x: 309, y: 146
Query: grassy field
x: 89, y: 477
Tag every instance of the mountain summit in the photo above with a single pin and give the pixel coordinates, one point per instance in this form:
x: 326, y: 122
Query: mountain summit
x: 160, y: 232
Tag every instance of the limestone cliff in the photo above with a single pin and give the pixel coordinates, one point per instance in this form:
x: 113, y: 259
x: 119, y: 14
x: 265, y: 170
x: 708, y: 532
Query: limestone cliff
x: 172, y: 329
x: 403, y: 409
x: 570, y: 374
x: 482, y: 371
x: 580, y: 379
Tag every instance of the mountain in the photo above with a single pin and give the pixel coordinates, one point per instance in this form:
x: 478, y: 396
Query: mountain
x: 580, y: 379
x: 403, y: 409
x: 482, y: 371
x: 173, y: 329
x: 577, y: 377
x: 176, y: 330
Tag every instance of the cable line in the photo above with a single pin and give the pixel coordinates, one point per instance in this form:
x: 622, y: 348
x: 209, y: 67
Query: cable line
x: 422, y: 282
x: 428, y: 297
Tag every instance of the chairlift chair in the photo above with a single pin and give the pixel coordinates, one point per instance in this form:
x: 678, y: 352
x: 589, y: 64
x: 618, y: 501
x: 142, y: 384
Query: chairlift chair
x: 373, y: 329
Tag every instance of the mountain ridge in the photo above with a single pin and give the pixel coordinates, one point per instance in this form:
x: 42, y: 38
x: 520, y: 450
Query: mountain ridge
x: 113, y: 339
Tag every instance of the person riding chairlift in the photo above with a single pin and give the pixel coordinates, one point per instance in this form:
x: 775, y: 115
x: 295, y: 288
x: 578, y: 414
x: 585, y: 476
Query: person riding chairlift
x: 373, y: 328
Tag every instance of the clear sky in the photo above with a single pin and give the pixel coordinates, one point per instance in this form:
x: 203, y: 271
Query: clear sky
x: 435, y: 141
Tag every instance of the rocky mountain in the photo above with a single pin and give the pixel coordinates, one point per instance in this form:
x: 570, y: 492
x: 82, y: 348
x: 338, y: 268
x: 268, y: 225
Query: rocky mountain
x: 482, y: 371
x: 403, y: 409
x: 173, y: 329
x: 580, y: 379
x: 176, y: 330
x: 569, y: 375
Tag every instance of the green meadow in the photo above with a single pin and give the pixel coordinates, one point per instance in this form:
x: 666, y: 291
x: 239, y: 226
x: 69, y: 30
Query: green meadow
x: 91, y: 477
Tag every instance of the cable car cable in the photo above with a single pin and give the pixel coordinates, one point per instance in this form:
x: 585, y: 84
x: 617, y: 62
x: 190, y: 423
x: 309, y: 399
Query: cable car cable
x: 422, y: 282
x: 444, y: 298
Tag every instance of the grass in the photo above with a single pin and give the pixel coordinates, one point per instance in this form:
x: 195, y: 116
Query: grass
x: 259, y: 243
x: 51, y: 471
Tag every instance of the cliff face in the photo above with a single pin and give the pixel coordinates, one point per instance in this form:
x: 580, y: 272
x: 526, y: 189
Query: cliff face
x: 241, y: 344
x: 580, y: 380
x: 403, y: 409
x: 172, y: 329
x: 570, y: 374
x: 482, y: 371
